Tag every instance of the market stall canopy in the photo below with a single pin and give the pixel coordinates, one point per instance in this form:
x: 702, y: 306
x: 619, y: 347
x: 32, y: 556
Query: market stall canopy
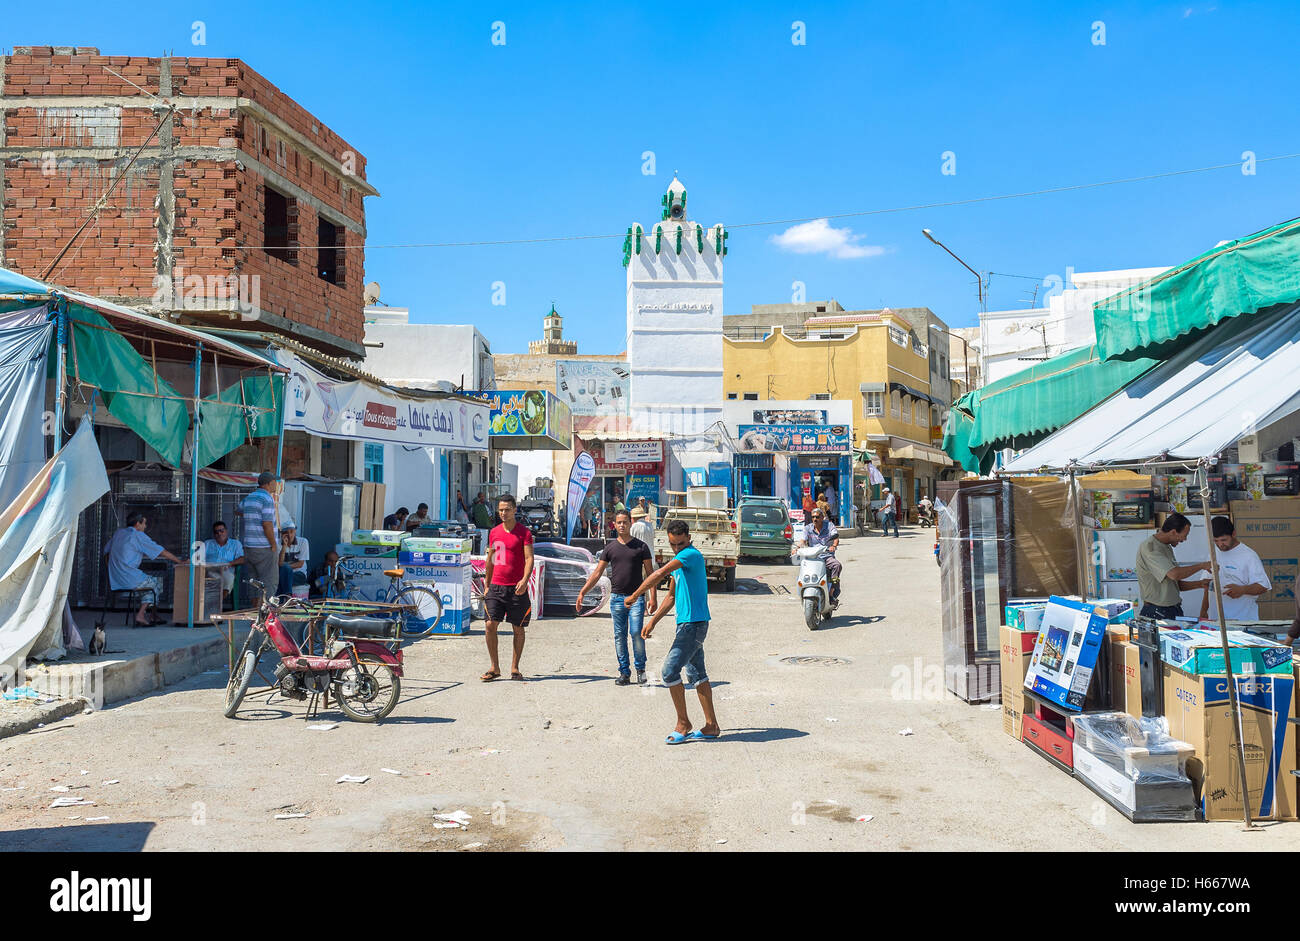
x: 1240, y: 377
x: 1021, y: 409
x: 528, y: 420
x: 116, y: 350
x: 1239, y: 278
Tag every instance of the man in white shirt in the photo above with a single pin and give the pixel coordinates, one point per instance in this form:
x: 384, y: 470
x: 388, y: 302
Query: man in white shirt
x: 1241, y: 574
x: 642, y: 528
x: 890, y: 512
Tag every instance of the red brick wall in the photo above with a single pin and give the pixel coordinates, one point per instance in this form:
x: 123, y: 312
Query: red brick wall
x: 218, y: 209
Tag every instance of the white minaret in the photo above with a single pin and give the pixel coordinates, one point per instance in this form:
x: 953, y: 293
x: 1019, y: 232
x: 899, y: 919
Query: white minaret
x: 674, y: 320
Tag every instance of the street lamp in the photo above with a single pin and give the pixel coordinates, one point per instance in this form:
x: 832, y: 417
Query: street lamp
x: 979, y: 281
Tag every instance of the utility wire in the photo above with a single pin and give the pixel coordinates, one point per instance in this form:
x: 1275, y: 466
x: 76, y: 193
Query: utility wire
x: 750, y: 225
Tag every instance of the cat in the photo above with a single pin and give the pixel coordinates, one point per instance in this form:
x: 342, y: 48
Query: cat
x: 99, y: 641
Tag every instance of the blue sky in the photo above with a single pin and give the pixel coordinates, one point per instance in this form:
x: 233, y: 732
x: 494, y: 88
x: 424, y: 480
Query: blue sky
x: 543, y: 136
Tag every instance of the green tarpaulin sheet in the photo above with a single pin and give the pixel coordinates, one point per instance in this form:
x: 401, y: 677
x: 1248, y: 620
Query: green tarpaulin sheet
x: 134, y: 394
x: 1161, y: 316
x: 247, y: 409
x: 1022, y: 409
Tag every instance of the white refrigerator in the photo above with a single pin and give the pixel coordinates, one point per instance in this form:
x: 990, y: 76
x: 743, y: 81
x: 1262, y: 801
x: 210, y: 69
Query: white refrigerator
x: 1112, y: 562
x: 1193, y: 549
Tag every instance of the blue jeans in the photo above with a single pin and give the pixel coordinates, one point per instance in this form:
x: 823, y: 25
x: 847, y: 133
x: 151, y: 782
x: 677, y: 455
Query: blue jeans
x: 628, y: 621
x: 687, y: 652
x: 290, y: 577
x: 891, y: 519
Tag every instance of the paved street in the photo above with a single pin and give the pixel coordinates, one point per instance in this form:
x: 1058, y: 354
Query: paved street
x: 569, y: 761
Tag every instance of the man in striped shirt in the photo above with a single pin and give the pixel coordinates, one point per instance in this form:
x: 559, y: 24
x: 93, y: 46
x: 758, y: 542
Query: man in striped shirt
x: 261, y: 549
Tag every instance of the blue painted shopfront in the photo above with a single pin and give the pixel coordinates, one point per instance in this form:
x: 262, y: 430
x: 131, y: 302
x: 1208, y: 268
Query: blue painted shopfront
x: 812, y: 472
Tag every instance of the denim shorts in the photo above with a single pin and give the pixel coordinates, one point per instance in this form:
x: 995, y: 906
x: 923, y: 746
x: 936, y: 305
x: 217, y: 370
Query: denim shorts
x: 687, y: 653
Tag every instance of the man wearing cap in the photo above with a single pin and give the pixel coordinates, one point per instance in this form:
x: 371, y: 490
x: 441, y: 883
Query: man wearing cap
x: 294, y: 555
x: 891, y: 512
x: 822, y: 532
x: 261, y: 549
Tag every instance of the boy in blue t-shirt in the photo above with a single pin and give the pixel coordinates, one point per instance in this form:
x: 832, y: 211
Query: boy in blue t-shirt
x: 691, y: 598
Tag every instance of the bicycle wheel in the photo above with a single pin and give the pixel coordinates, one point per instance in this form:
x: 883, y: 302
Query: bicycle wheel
x: 421, y: 610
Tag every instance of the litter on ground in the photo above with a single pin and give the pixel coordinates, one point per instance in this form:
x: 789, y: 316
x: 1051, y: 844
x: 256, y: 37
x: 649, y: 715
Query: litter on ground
x: 906, y: 732
x: 457, y: 818
x: 390, y: 771
x: 324, y: 727
x: 353, y: 779
x: 71, y: 802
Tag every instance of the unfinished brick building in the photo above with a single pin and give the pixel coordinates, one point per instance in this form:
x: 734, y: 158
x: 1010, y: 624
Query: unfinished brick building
x: 239, y: 189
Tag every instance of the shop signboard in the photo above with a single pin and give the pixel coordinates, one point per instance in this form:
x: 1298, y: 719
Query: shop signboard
x: 362, y: 411
x: 528, y: 420
x: 790, y: 416
x: 634, y: 452
x: 795, y: 438
x: 593, y: 388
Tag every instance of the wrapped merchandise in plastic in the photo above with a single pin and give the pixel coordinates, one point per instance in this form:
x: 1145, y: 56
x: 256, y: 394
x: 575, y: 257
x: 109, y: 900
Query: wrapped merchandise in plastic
x: 999, y: 540
x: 1135, y: 766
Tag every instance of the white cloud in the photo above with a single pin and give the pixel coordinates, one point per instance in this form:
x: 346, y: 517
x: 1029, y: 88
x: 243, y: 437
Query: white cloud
x: 819, y: 237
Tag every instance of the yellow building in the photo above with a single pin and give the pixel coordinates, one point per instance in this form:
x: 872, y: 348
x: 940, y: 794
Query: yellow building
x: 875, y: 360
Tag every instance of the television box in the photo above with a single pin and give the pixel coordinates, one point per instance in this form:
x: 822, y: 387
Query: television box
x: 1017, y: 646
x: 1066, y: 650
x: 1025, y: 617
x: 378, y: 537
x: 1201, y: 651
x: 1198, y: 711
x: 1272, y: 528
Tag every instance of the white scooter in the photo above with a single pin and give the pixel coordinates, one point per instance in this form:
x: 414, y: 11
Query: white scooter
x: 814, y: 585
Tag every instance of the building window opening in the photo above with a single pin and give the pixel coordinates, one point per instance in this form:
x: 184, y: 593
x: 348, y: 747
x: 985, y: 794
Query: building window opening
x: 279, y: 223
x: 329, y: 254
x: 374, y: 463
x: 751, y: 397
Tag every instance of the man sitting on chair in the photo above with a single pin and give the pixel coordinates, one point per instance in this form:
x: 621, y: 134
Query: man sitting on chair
x: 128, y: 547
x: 221, y: 554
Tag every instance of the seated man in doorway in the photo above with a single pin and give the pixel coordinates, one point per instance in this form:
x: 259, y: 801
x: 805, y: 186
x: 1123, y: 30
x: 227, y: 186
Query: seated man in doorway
x: 822, y: 532
x: 221, y: 554
x: 128, y: 547
x: 419, y: 517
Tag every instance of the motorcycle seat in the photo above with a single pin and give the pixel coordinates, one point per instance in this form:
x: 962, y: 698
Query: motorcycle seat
x: 395, y: 573
x: 360, y: 627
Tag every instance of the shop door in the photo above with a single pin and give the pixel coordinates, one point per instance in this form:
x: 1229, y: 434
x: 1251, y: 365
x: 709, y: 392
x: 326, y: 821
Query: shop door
x: 756, y: 483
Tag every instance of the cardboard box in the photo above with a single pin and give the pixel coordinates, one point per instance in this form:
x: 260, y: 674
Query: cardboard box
x: 1199, y: 713
x: 378, y: 537
x: 1272, y: 528
x: 1066, y: 651
x: 1044, y: 557
x: 1017, y: 647
x: 370, y: 513
x: 1098, y: 508
x: 1201, y: 651
x: 207, y: 594
x: 443, y: 544
x: 1025, y: 617
x: 1125, y: 672
x: 432, y: 558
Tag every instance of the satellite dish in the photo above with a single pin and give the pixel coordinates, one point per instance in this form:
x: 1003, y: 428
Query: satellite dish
x: 372, y: 292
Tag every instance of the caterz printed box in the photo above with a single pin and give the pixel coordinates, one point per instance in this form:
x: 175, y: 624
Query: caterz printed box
x: 1199, y: 713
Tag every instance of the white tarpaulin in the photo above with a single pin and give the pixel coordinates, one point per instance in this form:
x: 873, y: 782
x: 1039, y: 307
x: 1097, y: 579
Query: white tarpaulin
x: 362, y: 411
x: 38, y: 533
x: 1243, y: 375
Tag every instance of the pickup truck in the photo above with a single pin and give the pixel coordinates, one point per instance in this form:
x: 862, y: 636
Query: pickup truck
x: 713, y: 532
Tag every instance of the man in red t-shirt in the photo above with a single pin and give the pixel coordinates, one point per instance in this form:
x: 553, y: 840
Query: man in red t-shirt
x: 509, y: 563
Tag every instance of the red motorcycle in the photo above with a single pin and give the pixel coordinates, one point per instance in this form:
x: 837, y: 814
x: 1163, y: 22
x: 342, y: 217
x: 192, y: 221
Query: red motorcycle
x: 361, y: 665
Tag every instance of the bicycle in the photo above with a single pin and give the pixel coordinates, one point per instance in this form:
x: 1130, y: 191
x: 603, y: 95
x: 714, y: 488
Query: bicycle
x: 422, y: 606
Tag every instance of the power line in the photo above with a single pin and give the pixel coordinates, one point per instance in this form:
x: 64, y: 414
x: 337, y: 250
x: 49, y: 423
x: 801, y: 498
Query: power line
x: 750, y: 225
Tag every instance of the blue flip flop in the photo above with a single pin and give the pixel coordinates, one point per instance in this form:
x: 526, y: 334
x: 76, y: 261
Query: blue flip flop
x: 675, y: 738
x: 698, y: 736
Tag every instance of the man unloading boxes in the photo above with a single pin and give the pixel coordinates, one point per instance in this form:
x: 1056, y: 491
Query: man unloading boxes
x: 1160, y: 577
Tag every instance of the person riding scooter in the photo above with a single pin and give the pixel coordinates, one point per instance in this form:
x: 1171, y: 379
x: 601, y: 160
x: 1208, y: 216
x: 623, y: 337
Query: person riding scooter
x: 925, y: 512
x: 822, y: 532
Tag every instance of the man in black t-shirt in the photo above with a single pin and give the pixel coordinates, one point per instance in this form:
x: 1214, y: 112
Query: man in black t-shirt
x: 629, y: 561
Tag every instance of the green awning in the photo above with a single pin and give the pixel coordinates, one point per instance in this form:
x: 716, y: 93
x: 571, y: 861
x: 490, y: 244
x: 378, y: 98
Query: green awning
x: 1020, y: 410
x: 1162, y: 315
x: 135, y: 395
x: 246, y: 409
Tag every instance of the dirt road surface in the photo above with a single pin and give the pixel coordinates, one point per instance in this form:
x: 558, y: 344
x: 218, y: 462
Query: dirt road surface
x: 568, y: 761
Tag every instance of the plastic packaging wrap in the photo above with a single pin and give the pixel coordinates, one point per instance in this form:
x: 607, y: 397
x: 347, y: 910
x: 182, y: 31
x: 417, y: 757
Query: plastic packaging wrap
x: 1135, y: 765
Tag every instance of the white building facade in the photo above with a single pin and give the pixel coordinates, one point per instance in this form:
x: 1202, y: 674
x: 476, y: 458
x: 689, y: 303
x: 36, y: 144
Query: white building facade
x: 440, y: 357
x: 1012, y: 340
